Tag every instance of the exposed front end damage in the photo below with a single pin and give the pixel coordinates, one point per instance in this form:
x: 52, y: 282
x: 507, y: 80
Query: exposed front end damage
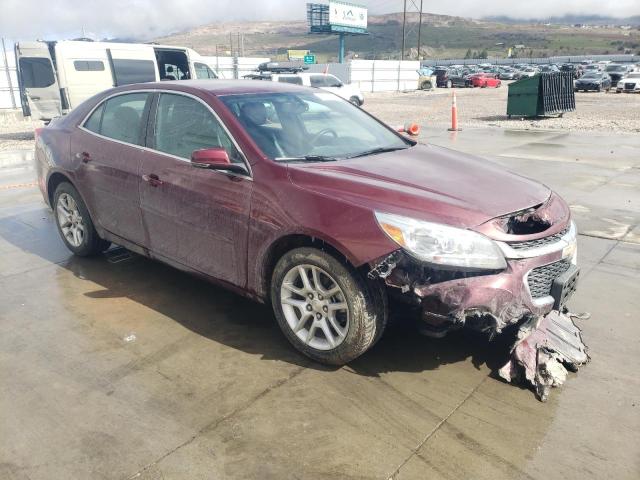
x: 531, y: 293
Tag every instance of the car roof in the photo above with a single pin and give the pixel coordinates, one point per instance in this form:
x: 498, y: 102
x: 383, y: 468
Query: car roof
x: 216, y: 87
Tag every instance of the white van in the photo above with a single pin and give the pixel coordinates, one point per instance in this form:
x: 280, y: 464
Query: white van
x: 54, y: 77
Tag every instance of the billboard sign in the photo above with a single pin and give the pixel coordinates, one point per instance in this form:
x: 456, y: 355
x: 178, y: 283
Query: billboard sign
x: 296, y: 55
x: 348, y: 15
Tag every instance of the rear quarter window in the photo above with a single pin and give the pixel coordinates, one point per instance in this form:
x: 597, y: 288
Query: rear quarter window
x: 93, y: 122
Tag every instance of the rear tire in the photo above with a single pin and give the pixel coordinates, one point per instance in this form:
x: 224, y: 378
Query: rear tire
x: 355, y: 101
x: 74, y: 222
x: 335, y: 315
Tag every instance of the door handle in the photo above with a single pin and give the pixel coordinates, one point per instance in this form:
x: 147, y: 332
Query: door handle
x: 152, y: 179
x: 84, y: 156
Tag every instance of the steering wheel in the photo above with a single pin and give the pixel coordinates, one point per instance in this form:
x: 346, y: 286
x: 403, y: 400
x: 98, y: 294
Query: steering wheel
x: 322, y: 132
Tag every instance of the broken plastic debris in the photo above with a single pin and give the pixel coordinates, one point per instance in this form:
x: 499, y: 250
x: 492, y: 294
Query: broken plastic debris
x: 130, y: 338
x: 546, y: 348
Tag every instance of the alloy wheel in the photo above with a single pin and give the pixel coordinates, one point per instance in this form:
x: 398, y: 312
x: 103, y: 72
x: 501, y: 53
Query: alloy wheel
x: 315, y: 307
x: 70, y: 220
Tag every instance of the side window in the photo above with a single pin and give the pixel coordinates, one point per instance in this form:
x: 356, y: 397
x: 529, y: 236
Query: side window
x: 122, y: 118
x: 291, y: 79
x: 203, y: 71
x: 36, y: 72
x: 318, y: 81
x: 93, y: 122
x: 332, y: 81
x: 184, y: 124
x: 133, y: 71
x: 88, y: 65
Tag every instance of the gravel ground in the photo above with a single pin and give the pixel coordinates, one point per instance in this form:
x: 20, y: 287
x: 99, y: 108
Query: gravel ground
x: 16, y: 133
x: 480, y: 107
x: 602, y: 112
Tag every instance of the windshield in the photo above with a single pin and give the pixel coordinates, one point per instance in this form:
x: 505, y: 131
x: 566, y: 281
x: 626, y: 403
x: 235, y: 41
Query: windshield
x: 615, y: 68
x: 310, y: 126
x: 634, y: 75
x: 592, y: 75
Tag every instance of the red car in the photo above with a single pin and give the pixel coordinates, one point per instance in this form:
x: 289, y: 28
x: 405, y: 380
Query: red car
x: 484, y: 80
x: 295, y: 197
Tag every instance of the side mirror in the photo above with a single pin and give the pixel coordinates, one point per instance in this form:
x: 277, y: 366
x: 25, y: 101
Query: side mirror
x: 215, y: 159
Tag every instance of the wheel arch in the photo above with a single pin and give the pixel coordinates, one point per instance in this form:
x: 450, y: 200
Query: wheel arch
x: 55, y: 179
x: 289, y: 242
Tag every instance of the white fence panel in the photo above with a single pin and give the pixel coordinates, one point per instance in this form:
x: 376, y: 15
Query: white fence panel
x: 385, y: 75
x: 226, y: 68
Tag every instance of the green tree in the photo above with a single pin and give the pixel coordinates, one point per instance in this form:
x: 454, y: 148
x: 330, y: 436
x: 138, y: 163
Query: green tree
x: 469, y: 54
x: 484, y: 54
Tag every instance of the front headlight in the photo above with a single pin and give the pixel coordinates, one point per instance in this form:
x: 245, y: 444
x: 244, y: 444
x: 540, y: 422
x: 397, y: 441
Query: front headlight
x: 440, y: 244
x: 620, y: 84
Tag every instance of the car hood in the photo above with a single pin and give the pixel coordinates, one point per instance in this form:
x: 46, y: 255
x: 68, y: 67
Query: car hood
x: 425, y: 182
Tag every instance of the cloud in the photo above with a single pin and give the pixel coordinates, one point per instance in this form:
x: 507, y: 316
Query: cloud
x: 145, y: 19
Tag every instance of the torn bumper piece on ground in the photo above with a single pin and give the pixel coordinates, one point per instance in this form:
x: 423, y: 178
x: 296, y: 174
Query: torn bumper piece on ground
x: 545, y: 350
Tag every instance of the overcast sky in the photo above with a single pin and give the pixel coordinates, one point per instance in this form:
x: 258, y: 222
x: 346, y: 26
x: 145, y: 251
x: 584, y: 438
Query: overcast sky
x: 53, y: 19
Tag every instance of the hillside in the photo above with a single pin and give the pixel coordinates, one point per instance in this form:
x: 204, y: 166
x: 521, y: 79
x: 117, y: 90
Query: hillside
x: 442, y: 37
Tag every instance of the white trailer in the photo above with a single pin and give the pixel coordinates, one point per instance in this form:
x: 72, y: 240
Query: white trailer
x: 54, y: 77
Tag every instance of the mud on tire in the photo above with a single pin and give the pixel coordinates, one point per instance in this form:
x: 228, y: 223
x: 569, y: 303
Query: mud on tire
x: 366, y: 304
x: 91, y: 243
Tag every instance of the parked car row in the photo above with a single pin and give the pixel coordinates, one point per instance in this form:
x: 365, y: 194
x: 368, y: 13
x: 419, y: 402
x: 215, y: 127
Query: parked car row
x: 589, y: 76
x: 466, y: 77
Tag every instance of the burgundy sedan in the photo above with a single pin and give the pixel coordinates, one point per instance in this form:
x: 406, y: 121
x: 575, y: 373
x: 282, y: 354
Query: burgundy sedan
x: 292, y: 196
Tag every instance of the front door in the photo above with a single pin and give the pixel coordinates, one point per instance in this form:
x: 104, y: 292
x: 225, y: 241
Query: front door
x: 108, y: 154
x: 39, y: 90
x: 198, y: 218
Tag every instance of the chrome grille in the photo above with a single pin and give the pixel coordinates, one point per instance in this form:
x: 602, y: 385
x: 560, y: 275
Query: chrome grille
x: 538, y: 242
x: 629, y: 86
x: 541, y: 279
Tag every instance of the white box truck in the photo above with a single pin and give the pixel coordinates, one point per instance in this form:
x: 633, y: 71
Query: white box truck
x: 54, y: 77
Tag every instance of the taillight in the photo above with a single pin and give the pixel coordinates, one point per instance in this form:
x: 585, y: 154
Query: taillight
x: 37, y: 132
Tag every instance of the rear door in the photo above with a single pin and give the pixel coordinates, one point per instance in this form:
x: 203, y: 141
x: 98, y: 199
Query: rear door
x: 109, y: 152
x: 39, y: 89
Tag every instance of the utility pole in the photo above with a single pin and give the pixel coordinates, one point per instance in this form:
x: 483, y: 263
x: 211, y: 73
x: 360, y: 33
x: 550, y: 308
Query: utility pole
x: 404, y: 26
x: 411, y: 7
x: 420, y: 31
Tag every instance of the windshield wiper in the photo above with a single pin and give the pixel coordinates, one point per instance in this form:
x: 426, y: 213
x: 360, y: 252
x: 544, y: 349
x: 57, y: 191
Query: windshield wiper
x: 306, y: 158
x: 373, y: 151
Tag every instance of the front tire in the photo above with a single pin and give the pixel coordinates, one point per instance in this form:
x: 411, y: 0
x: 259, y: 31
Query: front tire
x: 74, y: 222
x: 355, y: 100
x: 326, y: 309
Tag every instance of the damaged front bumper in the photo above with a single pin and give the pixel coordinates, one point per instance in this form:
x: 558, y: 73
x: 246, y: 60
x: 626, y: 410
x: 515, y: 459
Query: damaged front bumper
x: 535, y: 281
x: 531, y: 292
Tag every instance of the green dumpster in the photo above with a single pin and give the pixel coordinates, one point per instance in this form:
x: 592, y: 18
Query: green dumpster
x: 541, y: 95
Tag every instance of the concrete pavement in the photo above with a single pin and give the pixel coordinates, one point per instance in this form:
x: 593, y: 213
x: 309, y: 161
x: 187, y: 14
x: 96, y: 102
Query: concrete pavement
x: 120, y: 367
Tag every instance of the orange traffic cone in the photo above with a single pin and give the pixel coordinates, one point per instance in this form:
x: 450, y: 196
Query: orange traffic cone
x: 454, y: 113
x: 412, y: 129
